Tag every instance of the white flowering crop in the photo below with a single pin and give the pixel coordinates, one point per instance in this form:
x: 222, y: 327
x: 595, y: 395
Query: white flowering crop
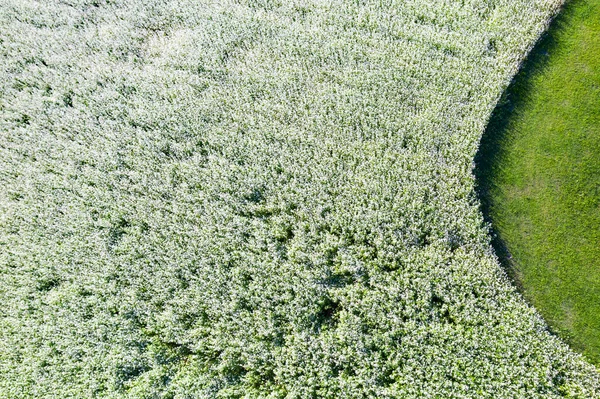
x: 260, y: 199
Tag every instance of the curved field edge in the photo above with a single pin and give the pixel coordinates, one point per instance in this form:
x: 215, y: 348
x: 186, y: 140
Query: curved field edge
x: 260, y: 199
x: 538, y: 170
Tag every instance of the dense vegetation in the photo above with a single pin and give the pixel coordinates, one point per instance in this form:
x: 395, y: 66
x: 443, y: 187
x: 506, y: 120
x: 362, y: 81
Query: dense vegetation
x: 542, y: 170
x: 260, y: 199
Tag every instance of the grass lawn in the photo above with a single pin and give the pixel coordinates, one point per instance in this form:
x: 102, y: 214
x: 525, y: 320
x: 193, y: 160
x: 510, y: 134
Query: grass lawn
x: 539, y: 176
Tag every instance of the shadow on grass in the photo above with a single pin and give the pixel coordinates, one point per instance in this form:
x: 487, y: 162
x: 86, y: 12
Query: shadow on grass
x: 492, y: 149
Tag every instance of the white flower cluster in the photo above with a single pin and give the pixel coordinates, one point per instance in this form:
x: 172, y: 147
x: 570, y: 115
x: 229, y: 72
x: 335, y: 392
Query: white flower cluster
x: 260, y: 199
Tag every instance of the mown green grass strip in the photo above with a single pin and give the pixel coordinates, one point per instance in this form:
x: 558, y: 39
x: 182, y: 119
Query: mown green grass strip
x: 540, y: 176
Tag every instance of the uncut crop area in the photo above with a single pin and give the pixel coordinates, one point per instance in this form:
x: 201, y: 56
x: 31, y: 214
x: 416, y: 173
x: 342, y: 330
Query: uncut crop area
x: 260, y: 199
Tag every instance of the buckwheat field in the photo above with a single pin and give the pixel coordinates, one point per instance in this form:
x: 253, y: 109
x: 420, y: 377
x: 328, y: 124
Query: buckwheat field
x: 260, y: 199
